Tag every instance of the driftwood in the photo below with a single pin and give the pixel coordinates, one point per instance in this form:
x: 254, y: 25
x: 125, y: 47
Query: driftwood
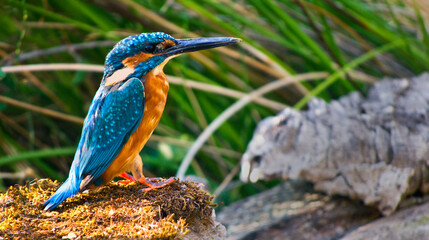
x: 410, y: 223
x: 372, y: 148
x: 293, y: 210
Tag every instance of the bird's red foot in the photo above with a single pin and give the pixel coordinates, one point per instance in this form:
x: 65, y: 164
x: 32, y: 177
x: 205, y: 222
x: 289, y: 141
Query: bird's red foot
x: 159, y: 183
x: 127, y: 176
x: 153, y: 185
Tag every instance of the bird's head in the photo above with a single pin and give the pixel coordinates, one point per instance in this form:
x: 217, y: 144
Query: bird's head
x: 137, y: 55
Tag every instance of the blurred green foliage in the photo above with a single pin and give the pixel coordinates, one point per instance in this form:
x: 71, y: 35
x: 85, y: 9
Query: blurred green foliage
x: 281, y: 38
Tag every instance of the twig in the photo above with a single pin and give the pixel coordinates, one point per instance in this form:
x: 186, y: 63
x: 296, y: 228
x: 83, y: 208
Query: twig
x: 41, y: 110
x: 63, y: 48
x: 14, y: 125
x: 155, y: 18
x: 99, y: 68
x: 224, y: 91
x: 202, y: 138
x: 322, y: 39
x: 17, y: 175
x: 48, y: 92
x: 54, y: 67
x: 184, y: 143
x: 58, y: 25
x: 227, y: 180
x: 175, y: 80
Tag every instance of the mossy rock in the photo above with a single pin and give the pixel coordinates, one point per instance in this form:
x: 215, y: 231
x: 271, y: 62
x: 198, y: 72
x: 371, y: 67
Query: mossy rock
x: 112, y: 211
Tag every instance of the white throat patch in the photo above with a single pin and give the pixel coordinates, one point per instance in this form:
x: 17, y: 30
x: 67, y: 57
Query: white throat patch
x: 118, y: 76
x: 159, y: 69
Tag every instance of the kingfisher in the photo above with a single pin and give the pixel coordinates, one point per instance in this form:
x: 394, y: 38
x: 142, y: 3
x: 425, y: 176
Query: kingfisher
x: 125, y: 111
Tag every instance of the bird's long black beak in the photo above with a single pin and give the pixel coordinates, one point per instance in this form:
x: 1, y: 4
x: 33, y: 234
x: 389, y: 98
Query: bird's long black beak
x: 196, y: 44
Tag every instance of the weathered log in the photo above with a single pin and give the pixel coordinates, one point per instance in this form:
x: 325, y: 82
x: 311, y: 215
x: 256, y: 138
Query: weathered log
x: 293, y: 210
x: 410, y: 223
x: 374, y: 149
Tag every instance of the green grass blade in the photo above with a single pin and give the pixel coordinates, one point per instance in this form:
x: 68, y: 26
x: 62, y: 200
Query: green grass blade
x: 422, y: 26
x: 348, y: 67
x: 25, y: 156
x: 55, y: 16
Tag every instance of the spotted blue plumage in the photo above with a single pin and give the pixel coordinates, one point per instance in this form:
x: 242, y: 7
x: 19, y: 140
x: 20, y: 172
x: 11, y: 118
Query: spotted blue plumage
x: 129, y: 46
x: 116, y: 112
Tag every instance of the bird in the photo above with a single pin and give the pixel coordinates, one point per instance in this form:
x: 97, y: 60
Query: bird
x: 125, y: 111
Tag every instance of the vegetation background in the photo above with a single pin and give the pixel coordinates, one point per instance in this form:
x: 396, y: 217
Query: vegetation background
x: 342, y: 45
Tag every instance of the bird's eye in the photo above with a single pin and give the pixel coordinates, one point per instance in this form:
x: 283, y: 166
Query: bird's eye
x: 149, y: 48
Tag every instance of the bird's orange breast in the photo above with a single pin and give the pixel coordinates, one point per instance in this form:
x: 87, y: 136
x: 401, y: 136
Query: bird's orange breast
x: 156, y: 90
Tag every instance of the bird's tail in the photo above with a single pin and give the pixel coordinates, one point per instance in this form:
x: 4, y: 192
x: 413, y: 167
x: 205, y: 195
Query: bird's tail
x: 69, y: 188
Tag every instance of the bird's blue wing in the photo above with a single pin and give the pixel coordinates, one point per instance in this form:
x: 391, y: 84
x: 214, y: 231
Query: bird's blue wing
x: 111, y: 120
x: 115, y: 113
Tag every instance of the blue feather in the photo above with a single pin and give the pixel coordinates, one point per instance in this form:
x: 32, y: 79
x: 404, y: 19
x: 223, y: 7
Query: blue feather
x: 114, y: 115
x: 69, y: 188
x: 130, y: 46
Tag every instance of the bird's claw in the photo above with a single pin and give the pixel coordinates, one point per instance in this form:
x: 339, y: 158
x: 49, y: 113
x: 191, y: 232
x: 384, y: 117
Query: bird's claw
x: 128, y: 177
x: 125, y: 182
x: 154, y: 185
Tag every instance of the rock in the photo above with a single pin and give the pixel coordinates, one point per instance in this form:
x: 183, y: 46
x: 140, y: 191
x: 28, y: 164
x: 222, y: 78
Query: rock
x: 200, y: 230
x: 374, y: 149
x: 411, y: 224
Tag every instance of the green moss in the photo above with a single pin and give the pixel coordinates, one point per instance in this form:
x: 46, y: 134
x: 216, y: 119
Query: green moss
x: 118, y: 211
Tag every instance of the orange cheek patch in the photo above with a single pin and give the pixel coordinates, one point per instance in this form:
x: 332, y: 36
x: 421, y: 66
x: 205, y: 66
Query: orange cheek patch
x: 133, y: 61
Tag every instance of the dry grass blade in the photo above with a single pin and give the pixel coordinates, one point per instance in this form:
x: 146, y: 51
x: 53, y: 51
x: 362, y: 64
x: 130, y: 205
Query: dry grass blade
x: 184, y: 143
x: 50, y: 25
x: 175, y: 80
x: 155, y: 18
x: 99, y: 68
x: 278, y: 70
x: 362, y: 77
x: 22, y: 131
x: 225, y: 115
x: 34, y: 80
x: 63, y: 48
x: 340, y: 23
x: 54, y: 67
x: 423, y: 7
x: 344, y: 26
x: 41, y: 110
x: 224, y: 91
x: 227, y: 180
